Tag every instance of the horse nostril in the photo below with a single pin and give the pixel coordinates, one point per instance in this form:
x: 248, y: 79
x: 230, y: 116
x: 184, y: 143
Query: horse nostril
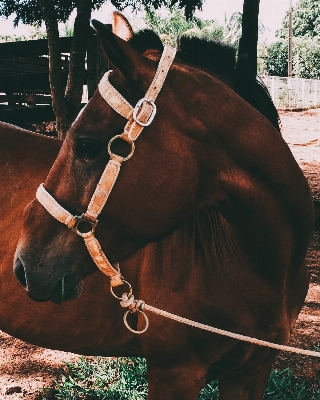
x: 19, y: 272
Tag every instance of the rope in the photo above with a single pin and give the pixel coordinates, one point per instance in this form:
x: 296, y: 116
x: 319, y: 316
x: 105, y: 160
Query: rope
x: 232, y: 335
x: 128, y: 300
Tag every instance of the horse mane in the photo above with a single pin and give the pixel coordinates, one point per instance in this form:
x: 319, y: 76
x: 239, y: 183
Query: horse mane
x: 216, y: 58
x: 209, y: 55
x: 146, y: 39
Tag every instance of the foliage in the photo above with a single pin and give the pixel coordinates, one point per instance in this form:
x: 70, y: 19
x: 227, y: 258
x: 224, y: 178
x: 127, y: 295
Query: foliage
x: 35, y: 33
x: 262, y: 53
x: 102, y: 378
x: 174, y: 24
x: 67, y: 30
x: 126, y: 378
x: 284, y: 385
x: 28, y: 11
x: 189, y: 6
x: 305, y: 44
x: 305, y: 58
x: 276, y: 62
x: 233, y: 28
x: 305, y: 20
x: 11, y: 38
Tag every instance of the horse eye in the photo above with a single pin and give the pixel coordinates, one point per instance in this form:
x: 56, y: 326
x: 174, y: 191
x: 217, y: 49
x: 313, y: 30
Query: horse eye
x: 87, y: 148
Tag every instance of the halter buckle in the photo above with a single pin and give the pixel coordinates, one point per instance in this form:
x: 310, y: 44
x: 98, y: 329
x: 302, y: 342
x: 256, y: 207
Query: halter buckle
x: 80, y: 219
x: 137, y: 109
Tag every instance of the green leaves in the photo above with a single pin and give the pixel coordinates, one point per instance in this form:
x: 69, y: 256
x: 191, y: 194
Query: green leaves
x: 306, y: 43
x: 305, y: 58
x: 102, y: 378
x: 173, y: 24
x: 305, y: 20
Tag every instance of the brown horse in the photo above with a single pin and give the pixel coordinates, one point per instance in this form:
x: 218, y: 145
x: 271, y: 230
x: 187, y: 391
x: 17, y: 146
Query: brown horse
x: 216, y: 186
x: 26, y: 159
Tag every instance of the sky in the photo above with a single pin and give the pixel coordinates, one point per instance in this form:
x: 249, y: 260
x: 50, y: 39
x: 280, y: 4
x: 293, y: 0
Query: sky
x: 271, y: 15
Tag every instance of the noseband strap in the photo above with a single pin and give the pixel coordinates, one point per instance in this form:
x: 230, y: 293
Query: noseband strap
x: 138, y: 117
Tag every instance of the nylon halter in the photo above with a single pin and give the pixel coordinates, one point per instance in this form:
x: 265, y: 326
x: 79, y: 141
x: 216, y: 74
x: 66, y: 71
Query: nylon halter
x: 138, y: 117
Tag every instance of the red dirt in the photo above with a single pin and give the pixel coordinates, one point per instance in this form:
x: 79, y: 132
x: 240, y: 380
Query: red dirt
x: 301, y: 130
x: 24, y: 368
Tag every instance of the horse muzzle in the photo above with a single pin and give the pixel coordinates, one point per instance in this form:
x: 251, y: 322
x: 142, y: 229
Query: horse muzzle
x: 68, y: 288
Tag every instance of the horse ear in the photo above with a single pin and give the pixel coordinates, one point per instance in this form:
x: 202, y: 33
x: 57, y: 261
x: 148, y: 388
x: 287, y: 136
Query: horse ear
x: 121, y: 26
x: 131, y: 64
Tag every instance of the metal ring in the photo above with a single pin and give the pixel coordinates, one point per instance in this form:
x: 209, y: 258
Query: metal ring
x: 129, y: 287
x: 112, y: 154
x: 133, y: 330
x: 83, y: 218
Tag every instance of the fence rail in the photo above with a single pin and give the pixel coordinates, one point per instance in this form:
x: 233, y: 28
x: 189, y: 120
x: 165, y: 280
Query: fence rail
x: 293, y: 93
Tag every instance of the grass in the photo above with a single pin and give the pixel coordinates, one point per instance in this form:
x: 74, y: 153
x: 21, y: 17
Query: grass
x: 126, y: 378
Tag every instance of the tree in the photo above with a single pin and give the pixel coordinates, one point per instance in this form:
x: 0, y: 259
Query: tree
x: 175, y: 24
x: 66, y: 98
x: 305, y: 20
x: 306, y: 43
x: 276, y: 62
x: 306, y: 57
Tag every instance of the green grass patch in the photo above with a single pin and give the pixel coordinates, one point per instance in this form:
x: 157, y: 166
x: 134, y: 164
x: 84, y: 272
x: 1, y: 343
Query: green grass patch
x: 126, y: 378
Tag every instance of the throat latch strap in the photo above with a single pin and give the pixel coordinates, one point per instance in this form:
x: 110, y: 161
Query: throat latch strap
x: 138, y: 117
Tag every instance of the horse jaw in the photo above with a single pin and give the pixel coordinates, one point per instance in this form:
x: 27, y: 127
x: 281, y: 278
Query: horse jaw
x: 121, y: 26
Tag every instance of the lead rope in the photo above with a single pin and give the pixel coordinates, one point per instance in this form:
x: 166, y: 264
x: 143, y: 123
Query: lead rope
x: 138, y: 117
x: 127, y: 300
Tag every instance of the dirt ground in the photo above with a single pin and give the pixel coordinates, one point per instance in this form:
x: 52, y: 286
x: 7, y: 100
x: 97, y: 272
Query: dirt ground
x: 24, y: 368
x: 301, y: 130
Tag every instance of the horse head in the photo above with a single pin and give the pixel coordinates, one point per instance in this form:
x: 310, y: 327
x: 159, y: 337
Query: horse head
x: 158, y: 188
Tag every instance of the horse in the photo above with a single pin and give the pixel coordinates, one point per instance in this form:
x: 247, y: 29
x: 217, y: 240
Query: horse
x: 26, y: 159
x: 212, y: 206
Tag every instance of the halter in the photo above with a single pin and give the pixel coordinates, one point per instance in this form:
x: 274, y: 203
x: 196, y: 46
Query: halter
x: 138, y: 117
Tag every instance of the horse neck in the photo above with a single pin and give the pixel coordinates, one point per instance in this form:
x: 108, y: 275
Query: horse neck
x: 259, y: 189
x: 202, y: 259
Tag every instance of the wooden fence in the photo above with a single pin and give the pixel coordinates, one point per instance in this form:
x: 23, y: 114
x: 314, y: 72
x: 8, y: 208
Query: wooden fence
x: 24, y: 78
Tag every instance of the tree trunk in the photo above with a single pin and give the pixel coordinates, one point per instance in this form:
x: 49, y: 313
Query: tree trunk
x: 74, y: 89
x: 66, y: 101
x: 55, y: 71
x: 247, y: 51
